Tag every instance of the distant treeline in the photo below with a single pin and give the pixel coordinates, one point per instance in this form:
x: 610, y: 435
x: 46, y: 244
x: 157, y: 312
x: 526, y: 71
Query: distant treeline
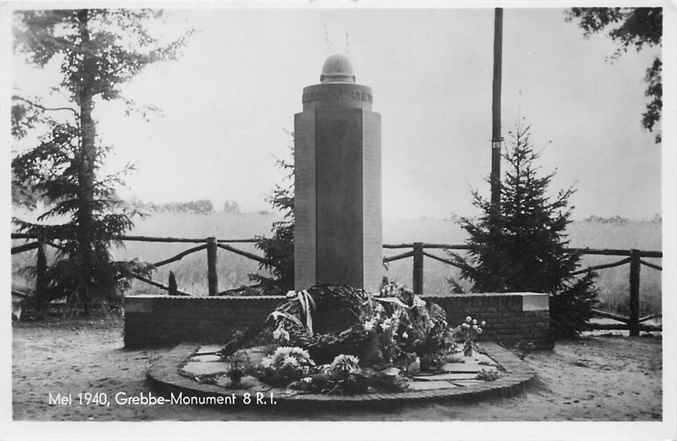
x: 657, y: 218
x: 619, y: 220
x: 205, y: 206
x: 202, y: 206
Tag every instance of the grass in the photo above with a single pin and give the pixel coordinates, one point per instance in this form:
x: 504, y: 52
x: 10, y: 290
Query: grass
x: 233, y: 270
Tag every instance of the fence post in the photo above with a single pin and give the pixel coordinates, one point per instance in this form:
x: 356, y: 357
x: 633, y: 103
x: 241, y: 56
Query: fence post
x: 41, y: 276
x: 212, y: 278
x: 171, y: 283
x: 418, y: 268
x: 634, y: 293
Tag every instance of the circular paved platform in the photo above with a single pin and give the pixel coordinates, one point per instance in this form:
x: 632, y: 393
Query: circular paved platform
x: 171, y: 375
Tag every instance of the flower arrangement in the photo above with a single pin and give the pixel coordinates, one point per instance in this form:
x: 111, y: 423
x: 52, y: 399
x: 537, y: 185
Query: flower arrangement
x: 280, y: 334
x: 284, y: 365
x: 487, y: 375
x: 238, y: 366
x: 394, y: 329
x: 470, y: 331
x: 390, y: 289
x: 344, y: 365
x: 291, y: 324
x: 387, y: 329
x: 422, y: 329
x: 343, y: 376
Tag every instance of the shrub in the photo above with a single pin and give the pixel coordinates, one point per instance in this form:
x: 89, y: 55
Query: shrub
x: 520, y: 245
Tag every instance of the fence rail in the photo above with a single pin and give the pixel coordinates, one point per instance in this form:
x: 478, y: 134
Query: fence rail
x: 416, y: 250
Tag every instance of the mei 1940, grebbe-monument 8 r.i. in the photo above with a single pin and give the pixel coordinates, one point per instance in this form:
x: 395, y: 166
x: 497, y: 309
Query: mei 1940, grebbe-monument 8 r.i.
x: 337, y: 155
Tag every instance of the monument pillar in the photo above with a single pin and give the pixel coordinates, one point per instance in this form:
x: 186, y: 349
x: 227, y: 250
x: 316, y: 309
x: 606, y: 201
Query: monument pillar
x: 337, y: 156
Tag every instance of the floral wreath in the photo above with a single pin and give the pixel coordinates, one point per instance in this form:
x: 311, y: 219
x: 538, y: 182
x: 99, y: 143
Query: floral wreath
x: 408, y: 319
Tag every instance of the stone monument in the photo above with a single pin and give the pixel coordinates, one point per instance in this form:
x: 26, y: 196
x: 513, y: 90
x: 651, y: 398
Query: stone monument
x: 337, y: 155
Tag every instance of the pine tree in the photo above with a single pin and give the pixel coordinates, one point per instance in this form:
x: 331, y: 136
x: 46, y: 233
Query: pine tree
x: 521, y: 244
x: 279, y: 249
x: 98, y: 51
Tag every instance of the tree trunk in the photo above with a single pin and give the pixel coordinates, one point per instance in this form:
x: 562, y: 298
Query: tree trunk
x: 40, y: 279
x: 87, y: 158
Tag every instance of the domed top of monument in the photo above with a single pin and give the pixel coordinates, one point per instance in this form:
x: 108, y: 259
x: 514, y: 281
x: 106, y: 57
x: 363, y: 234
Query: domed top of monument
x: 337, y: 69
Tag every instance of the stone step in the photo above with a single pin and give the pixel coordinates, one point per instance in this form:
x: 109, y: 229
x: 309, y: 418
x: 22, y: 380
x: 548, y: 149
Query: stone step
x: 446, y: 377
x: 428, y: 385
x: 205, y: 358
x: 196, y: 368
x: 209, y: 348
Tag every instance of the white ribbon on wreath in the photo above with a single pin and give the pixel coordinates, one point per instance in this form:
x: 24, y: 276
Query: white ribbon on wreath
x: 307, y: 305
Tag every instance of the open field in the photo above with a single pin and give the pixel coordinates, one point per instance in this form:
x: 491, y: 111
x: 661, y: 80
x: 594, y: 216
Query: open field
x: 595, y: 378
x: 233, y: 270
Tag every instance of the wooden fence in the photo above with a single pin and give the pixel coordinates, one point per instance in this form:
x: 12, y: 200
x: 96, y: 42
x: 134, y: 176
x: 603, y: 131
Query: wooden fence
x: 633, y: 322
x: 416, y: 250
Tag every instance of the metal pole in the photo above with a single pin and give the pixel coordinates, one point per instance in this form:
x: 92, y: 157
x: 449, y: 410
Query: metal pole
x: 496, y: 138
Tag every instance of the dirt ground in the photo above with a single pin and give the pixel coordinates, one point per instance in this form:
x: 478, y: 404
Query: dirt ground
x: 596, y: 378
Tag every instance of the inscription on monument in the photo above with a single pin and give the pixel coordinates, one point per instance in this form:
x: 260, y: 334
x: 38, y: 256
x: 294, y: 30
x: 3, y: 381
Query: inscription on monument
x: 340, y: 95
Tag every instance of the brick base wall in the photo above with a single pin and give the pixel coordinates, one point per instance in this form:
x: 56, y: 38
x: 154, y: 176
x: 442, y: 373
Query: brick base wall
x: 152, y: 320
x: 512, y: 318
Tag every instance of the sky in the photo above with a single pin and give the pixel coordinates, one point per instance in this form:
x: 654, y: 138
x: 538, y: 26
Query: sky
x: 228, y: 104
